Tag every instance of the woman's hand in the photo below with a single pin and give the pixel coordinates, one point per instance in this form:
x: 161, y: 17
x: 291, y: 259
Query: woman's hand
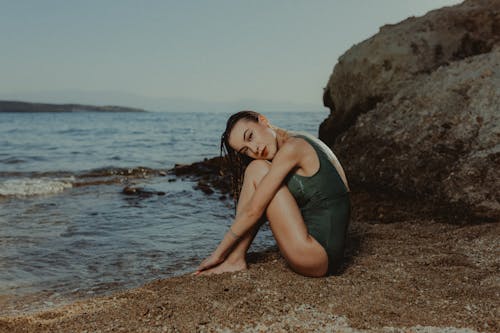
x: 209, y: 262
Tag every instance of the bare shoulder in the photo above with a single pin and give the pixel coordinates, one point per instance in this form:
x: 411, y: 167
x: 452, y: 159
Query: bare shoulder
x: 293, y: 146
x: 292, y: 151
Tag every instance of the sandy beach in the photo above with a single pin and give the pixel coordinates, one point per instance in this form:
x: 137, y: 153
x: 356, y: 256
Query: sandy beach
x: 409, y: 268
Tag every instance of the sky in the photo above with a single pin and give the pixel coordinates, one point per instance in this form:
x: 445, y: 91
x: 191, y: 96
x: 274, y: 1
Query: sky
x: 169, y: 55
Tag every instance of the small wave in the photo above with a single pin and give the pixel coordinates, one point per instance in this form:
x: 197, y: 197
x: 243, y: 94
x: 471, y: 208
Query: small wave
x: 12, y: 160
x: 23, y: 184
x: 136, y: 172
x: 133, y: 172
x: 22, y: 187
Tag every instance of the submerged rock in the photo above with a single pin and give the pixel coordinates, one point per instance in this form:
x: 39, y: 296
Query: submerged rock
x: 140, y: 192
x: 204, y: 187
x: 208, y: 174
x: 416, y: 108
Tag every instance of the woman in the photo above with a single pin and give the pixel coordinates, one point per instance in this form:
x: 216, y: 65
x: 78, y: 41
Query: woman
x: 293, y: 180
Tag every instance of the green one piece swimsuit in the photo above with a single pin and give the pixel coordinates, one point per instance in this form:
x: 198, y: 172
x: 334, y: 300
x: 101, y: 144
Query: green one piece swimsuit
x: 325, y: 204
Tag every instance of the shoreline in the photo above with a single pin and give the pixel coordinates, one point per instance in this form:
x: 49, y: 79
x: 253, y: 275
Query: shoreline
x: 406, y: 267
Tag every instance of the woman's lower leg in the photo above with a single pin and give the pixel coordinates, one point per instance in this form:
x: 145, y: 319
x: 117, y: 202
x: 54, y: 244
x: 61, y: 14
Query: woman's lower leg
x: 236, y: 260
x: 240, y: 250
x: 247, y: 190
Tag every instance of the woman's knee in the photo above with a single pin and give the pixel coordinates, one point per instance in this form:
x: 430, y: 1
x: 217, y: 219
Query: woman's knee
x: 257, y: 169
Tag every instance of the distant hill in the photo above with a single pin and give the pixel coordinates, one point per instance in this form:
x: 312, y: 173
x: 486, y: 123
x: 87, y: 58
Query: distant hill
x: 14, y: 106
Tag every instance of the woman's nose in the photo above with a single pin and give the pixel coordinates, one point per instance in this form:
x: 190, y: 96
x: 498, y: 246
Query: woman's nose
x: 254, y: 147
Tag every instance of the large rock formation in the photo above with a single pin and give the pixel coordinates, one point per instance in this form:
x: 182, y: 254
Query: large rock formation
x: 416, y: 108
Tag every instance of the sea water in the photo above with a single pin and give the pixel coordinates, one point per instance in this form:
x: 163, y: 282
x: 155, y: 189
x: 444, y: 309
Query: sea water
x: 67, y: 228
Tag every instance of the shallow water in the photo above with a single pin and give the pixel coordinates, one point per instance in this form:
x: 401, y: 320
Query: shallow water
x: 65, y: 224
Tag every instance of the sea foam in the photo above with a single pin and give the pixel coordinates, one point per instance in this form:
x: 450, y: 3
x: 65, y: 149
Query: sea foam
x: 22, y: 187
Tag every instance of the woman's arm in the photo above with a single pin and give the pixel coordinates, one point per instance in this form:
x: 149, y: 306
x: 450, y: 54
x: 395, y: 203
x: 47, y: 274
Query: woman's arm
x: 287, y: 158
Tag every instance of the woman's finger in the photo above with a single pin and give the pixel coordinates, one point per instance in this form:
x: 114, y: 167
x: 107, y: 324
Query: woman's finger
x: 202, y: 266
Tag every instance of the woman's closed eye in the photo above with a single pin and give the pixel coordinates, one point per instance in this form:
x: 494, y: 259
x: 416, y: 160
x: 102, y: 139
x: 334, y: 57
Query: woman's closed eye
x: 250, y: 136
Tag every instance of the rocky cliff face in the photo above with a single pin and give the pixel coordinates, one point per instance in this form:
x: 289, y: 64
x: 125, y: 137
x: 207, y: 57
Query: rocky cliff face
x: 416, y: 108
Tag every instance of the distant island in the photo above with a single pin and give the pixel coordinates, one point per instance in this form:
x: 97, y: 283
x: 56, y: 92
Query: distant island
x: 14, y: 106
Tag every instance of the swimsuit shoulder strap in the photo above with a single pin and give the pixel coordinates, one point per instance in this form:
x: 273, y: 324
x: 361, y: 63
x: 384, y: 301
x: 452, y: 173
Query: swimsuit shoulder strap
x: 324, y: 160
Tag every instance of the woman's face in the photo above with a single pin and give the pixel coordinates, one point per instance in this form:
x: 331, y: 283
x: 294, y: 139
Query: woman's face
x: 257, y: 140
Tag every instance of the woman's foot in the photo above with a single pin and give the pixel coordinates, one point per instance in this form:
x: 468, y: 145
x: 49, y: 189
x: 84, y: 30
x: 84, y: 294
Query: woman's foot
x: 226, y: 266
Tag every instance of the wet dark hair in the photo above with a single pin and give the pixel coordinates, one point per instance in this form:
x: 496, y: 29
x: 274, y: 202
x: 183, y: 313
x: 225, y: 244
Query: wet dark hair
x: 232, y: 161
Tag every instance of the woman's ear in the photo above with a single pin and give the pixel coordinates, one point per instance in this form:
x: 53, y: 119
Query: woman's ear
x: 263, y: 120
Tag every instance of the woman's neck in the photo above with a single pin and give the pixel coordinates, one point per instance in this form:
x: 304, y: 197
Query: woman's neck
x: 281, y: 136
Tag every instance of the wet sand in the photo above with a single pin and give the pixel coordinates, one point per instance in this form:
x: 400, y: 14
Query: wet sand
x: 408, y: 266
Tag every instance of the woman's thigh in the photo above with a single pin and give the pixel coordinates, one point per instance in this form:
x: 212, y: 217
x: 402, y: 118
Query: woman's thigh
x: 302, y: 252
